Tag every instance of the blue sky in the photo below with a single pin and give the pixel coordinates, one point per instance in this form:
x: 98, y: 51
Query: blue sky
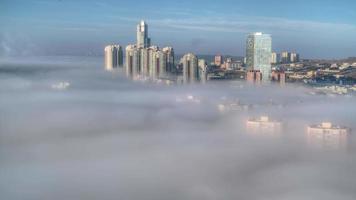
x: 315, y: 29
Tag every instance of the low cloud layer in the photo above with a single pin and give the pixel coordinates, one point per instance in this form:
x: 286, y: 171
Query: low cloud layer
x: 105, y: 137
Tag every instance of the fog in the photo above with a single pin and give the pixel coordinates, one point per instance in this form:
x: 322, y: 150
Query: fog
x: 70, y: 130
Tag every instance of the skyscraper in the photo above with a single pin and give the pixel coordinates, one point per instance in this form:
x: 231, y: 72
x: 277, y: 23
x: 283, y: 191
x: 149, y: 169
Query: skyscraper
x: 169, y: 59
x: 144, y: 61
x: 274, y: 58
x: 203, y: 70
x: 285, y: 57
x: 158, y: 64
x: 143, y: 41
x: 132, y: 61
x: 113, y: 56
x: 294, y: 57
x: 190, y: 68
x: 258, y: 53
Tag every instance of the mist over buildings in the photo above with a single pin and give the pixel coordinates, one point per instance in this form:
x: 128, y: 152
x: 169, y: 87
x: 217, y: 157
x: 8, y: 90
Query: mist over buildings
x: 70, y: 130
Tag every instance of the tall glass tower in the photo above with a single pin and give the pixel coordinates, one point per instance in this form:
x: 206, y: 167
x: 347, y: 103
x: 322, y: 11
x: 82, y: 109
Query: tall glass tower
x: 258, y: 53
x: 143, y: 41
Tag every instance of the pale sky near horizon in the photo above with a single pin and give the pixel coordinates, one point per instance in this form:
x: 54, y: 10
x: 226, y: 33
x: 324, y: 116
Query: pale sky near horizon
x: 315, y: 29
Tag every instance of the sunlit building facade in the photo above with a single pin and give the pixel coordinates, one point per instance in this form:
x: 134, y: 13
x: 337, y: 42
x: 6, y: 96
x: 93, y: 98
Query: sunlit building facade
x: 328, y: 136
x: 169, y: 53
x: 143, y: 41
x: 258, y: 53
x: 294, y: 57
x: 254, y: 76
x: 147, y: 62
x: 113, y: 57
x: 132, y: 61
x: 274, y: 58
x: 285, y: 57
x: 190, y: 68
x: 203, y: 70
x: 278, y: 76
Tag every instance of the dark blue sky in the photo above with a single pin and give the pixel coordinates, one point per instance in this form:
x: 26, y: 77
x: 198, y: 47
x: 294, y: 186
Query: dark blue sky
x: 316, y: 29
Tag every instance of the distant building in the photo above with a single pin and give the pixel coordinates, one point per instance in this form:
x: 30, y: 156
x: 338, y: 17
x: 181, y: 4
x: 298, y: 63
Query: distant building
x: 294, y: 57
x: 258, y: 53
x: 203, y: 70
x: 274, y: 58
x: 143, y: 41
x: 218, y: 60
x: 328, y: 136
x: 285, y: 57
x: 190, y: 68
x: 278, y: 76
x: 254, y: 76
x: 264, y: 125
x: 169, y: 59
x: 113, y: 56
x: 158, y: 64
x: 147, y: 62
x: 132, y: 61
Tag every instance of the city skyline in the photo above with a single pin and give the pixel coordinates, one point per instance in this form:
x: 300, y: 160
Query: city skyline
x: 314, y: 29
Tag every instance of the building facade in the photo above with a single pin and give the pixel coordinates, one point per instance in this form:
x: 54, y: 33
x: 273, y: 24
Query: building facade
x: 254, y: 76
x: 264, y: 125
x: 143, y: 41
x: 274, y: 58
x: 144, y: 61
x: 294, y: 57
x: 113, y: 57
x: 258, y: 53
x: 203, y: 70
x: 169, y: 52
x: 218, y: 61
x: 285, y: 57
x: 190, y: 68
x: 328, y: 136
x: 132, y: 61
x: 278, y: 76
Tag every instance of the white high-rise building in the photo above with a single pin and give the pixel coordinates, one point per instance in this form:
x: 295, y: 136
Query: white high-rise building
x: 190, y: 68
x: 158, y: 63
x: 113, y: 56
x: 258, y: 54
x: 203, y: 70
x: 285, y: 57
x: 143, y: 41
x: 274, y: 58
x: 132, y: 61
x: 169, y: 59
x: 144, y: 61
x: 294, y: 57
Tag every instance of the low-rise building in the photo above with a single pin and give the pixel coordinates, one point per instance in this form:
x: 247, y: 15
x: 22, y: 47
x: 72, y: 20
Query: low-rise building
x: 264, y: 125
x: 328, y: 136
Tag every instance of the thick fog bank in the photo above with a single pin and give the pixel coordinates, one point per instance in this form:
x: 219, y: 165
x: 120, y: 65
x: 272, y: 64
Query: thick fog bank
x: 70, y: 130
